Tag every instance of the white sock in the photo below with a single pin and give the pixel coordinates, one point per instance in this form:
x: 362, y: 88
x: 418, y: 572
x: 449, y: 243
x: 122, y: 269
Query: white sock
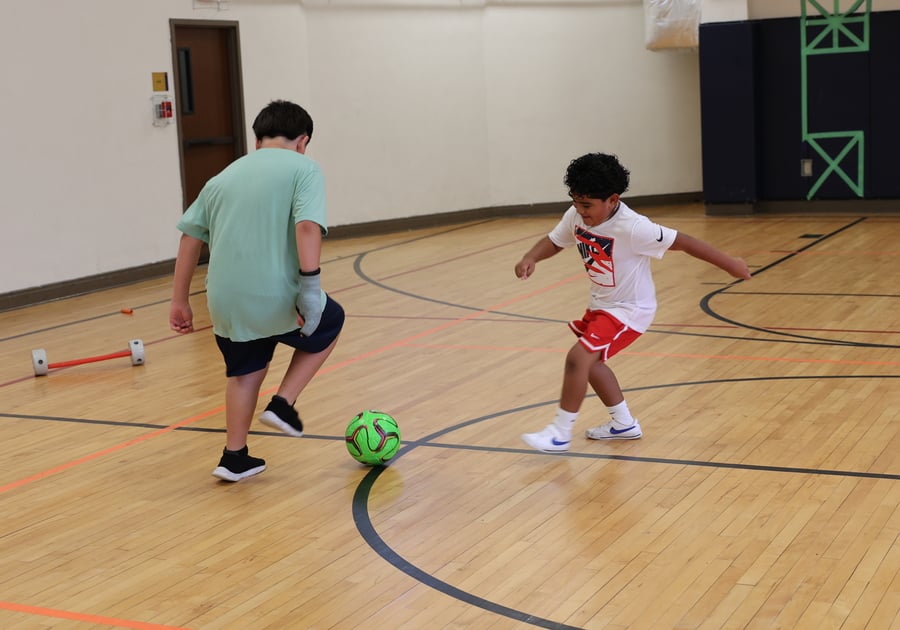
x: 621, y: 416
x: 565, y: 420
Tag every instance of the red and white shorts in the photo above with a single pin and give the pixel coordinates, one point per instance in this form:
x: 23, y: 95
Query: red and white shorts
x: 598, y: 331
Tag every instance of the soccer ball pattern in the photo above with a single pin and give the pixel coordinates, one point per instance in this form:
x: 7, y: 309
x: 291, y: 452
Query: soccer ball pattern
x: 372, y: 437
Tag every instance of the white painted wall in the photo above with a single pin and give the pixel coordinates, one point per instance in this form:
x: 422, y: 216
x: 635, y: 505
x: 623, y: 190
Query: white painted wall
x: 418, y: 110
x: 726, y: 10
x: 398, y: 96
x: 562, y: 83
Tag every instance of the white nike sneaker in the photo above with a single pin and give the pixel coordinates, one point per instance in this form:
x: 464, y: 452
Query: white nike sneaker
x: 550, y: 440
x: 609, y: 431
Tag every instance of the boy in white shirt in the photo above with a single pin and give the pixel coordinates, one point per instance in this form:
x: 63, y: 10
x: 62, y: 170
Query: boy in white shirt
x: 616, y: 245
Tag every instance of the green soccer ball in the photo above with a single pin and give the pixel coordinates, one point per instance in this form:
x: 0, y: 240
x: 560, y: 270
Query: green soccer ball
x: 372, y: 437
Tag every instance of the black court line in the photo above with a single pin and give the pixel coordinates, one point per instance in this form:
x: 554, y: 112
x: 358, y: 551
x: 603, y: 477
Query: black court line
x: 809, y: 294
x: 429, y: 440
x: 376, y: 542
x: 684, y: 333
x: 357, y: 267
x: 149, y: 425
x: 75, y: 322
x: 775, y: 335
x: 707, y: 308
x: 664, y: 460
x: 370, y: 535
x: 202, y: 291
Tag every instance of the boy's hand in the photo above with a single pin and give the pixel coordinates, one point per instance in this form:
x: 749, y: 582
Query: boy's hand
x: 525, y: 268
x: 739, y: 269
x: 309, y: 304
x: 181, y: 317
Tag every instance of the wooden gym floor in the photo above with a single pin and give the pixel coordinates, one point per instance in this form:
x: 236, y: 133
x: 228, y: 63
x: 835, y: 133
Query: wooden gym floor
x: 765, y: 492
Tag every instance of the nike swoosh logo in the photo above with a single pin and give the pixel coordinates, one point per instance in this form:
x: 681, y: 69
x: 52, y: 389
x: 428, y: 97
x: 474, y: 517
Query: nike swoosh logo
x: 659, y: 240
x: 616, y: 431
x: 556, y: 442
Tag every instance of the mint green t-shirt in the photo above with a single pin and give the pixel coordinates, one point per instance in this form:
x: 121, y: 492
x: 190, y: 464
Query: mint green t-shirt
x: 247, y: 214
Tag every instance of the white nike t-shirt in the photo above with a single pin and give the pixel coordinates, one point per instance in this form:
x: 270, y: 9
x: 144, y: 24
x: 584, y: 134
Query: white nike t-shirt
x: 616, y: 255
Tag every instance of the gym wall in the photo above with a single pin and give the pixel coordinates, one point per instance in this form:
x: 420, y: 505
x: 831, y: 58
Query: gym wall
x: 421, y: 108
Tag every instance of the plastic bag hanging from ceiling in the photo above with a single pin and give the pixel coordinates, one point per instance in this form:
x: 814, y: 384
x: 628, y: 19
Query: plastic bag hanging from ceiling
x: 670, y: 24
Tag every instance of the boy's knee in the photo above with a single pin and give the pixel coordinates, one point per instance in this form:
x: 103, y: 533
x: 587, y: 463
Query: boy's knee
x: 580, y: 359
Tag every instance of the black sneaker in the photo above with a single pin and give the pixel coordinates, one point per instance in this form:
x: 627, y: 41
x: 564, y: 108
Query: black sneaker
x: 282, y: 416
x: 237, y: 465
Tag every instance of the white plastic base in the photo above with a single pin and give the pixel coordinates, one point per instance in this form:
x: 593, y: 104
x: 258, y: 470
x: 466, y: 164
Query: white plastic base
x: 137, y: 351
x: 39, y: 359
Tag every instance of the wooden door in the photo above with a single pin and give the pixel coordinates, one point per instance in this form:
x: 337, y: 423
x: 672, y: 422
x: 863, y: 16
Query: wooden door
x: 208, y: 100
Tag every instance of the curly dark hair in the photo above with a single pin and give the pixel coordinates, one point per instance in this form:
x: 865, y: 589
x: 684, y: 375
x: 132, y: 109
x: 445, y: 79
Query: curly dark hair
x: 596, y: 176
x: 282, y: 118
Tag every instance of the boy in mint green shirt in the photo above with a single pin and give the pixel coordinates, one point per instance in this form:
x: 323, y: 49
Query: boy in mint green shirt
x: 263, y: 218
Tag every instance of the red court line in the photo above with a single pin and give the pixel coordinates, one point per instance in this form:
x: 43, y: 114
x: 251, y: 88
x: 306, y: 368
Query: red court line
x: 449, y: 324
x: 793, y: 328
x: 21, y: 379
x: 835, y: 330
x: 655, y: 325
x: 737, y: 357
x: 85, y: 618
x: 447, y: 346
x: 843, y: 252
x: 510, y: 319
x: 111, y: 449
x: 726, y: 357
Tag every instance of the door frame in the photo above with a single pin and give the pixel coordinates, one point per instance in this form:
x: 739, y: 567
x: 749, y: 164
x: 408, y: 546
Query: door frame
x: 237, y: 87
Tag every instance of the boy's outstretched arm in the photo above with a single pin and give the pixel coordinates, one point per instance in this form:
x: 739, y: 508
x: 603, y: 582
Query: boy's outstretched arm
x: 737, y: 267
x: 544, y: 248
x: 181, y: 317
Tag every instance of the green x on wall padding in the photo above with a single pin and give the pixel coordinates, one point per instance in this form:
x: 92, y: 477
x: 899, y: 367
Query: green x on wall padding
x: 834, y: 32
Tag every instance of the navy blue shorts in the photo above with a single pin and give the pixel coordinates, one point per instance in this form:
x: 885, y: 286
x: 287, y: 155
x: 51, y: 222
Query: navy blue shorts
x: 246, y: 357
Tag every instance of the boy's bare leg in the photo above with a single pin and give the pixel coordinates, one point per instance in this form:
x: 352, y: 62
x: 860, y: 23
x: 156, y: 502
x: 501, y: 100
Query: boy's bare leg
x: 604, y: 383
x: 300, y: 372
x: 557, y: 436
x: 580, y: 363
x: 623, y: 426
x: 241, y: 396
